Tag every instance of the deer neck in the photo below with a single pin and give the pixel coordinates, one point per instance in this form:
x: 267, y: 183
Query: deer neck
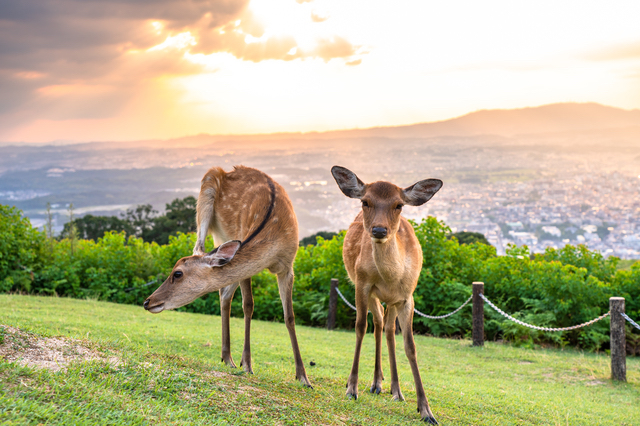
x: 388, y: 259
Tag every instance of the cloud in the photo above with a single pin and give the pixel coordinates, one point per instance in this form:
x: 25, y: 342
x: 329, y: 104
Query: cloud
x: 616, y: 52
x: 318, y: 17
x: 63, y: 59
x: 334, y: 47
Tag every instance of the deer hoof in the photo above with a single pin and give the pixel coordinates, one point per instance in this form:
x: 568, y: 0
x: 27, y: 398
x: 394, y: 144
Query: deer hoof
x: 352, y: 396
x: 430, y: 420
x: 305, y: 382
x: 397, y: 396
x: 229, y: 362
x: 376, y: 389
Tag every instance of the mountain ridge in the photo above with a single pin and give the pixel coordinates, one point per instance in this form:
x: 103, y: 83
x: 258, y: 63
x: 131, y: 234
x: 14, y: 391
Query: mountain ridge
x: 545, y: 119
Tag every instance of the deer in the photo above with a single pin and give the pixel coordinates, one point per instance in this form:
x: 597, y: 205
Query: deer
x: 252, y: 219
x: 383, y: 259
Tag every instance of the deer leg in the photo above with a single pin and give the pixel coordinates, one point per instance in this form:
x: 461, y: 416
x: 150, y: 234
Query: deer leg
x: 247, y: 307
x: 226, y: 296
x: 361, y: 329
x: 406, y: 323
x: 390, y: 331
x: 376, y: 309
x: 285, y: 287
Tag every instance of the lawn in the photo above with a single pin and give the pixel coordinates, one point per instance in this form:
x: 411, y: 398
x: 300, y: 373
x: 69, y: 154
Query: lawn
x: 166, y: 369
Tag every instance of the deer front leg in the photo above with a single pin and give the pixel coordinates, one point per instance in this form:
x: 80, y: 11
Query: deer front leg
x: 285, y: 287
x: 226, y: 296
x: 361, y: 328
x: 247, y: 307
x: 390, y: 331
x: 376, y: 309
x: 406, y: 323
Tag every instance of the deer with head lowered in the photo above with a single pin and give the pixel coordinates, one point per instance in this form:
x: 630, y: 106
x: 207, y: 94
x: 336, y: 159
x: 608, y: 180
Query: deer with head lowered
x: 383, y: 258
x: 252, y: 220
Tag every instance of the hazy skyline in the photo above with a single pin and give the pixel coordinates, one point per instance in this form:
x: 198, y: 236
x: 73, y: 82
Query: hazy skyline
x: 106, y: 70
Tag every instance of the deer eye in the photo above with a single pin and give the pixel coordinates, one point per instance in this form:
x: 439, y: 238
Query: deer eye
x: 177, y: 274
x: 365, y: 204
x: 399, y: 207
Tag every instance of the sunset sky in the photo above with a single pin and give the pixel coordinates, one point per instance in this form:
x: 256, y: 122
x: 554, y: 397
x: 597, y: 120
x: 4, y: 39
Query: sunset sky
x: 123, y: 70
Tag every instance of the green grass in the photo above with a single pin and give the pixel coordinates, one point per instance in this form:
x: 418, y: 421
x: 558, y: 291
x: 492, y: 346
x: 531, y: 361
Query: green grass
x: 170, y: 375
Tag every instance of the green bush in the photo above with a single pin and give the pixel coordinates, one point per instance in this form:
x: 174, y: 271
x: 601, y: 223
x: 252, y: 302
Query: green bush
x: 557, y: 288
x: 21, y: 250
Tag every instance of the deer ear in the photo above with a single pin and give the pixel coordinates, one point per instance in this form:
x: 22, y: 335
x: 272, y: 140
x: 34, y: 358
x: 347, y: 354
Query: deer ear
x: 222, y: 254
x: 421, y: 192
x: 348, y: 182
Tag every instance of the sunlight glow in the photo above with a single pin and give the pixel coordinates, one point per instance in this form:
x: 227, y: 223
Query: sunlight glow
x: 284, y: 65
x: 179, y: 41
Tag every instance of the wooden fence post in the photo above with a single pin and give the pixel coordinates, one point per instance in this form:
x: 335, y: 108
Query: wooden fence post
x: 478, y: 314
x: 333, y: 304
x: 618, y: 340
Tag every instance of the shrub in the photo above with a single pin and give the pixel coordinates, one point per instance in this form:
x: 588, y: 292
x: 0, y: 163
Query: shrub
x: 557, y: 288
x: 21, y: 250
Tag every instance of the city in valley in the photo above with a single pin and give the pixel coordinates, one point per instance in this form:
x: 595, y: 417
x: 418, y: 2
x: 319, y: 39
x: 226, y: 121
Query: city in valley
x: 526, y: 182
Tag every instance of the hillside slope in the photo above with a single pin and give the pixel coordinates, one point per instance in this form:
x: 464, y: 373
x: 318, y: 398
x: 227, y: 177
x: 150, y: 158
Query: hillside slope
x: 165, y: 369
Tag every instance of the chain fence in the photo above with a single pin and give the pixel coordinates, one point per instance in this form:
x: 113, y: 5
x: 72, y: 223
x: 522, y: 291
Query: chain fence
x: 535, y: 327
x: 344, y: 299
x: 506, y: 315
x: 446, y: 315
x: 633, y: 323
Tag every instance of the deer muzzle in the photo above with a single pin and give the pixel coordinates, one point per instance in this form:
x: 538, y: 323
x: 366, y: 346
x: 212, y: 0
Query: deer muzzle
x: 379, y: 234
x: 152, y: 307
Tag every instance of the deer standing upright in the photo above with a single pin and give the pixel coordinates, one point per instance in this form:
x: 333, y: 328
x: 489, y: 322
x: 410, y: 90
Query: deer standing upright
x: 254, y: 218
x: 383, y: 258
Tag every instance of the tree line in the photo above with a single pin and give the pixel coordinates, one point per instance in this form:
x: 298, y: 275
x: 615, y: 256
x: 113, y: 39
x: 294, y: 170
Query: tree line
x: 142, y: 222
x: 557, y: 288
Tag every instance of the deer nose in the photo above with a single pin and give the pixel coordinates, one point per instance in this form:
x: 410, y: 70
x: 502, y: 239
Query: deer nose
x: 379, y: 232
x: 146, y: 304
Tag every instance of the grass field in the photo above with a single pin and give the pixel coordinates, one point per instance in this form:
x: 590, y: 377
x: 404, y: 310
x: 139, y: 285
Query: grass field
x: 167, y: 370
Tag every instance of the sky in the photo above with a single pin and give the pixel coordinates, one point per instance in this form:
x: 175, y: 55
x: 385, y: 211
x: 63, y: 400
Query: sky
x: 80, y: 70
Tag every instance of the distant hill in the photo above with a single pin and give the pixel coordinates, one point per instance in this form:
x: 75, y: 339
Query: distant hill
x: 546, y: 119
x: 562, y: 117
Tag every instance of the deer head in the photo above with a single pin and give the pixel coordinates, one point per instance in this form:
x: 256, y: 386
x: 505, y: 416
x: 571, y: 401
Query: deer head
x: 192, y: 277
x: 382, y: 202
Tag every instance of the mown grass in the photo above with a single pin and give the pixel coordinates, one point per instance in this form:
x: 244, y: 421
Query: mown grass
x: 170, y: 373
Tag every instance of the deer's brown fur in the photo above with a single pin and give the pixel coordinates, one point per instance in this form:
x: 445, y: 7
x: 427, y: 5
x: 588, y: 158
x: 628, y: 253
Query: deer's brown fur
x: 383, y: 258
x: 232, y: 206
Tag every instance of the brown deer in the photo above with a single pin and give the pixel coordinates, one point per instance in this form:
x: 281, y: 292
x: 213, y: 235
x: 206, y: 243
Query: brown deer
x: 254, y: 218
x: 383, y: 258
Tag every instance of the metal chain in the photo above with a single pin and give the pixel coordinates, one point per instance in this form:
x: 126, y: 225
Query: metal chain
x: 443, y: 316
x: 345, y: 300
x: 535, y: 327
x: 633, y: 323
x: 414, y: 310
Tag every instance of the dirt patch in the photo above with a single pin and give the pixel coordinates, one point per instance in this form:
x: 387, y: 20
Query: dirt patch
x: 52, y: 353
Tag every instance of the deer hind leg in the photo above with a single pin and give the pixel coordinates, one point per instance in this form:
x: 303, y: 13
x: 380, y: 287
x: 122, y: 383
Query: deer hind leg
x: 285, y: 287
x: 376, y: 309
x: 226, y: 296
x: 362, y: 299
x: 390, y: 331
x: 406, y: 323
x: 247, y: 307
